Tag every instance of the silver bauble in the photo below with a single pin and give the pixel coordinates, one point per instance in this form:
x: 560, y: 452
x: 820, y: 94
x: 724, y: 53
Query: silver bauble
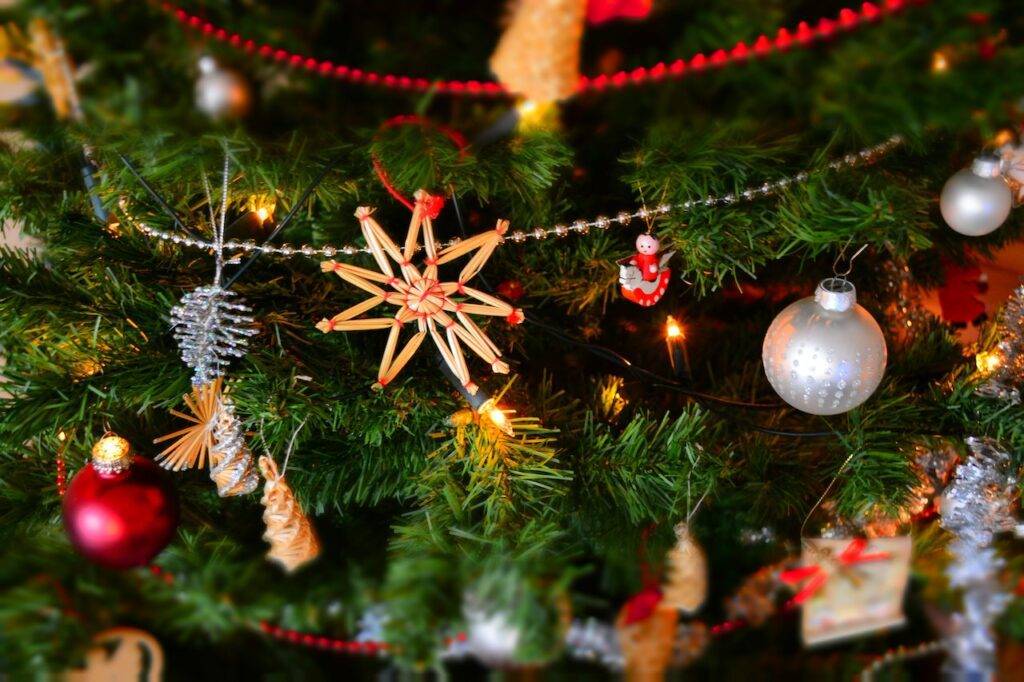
x: 221, y: 93
x: 976, y: 200
x: 825, y: 354
x: 490, y: 635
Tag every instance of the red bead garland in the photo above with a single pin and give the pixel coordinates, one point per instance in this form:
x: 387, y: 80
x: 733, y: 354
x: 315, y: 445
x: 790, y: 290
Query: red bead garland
x: 805, y: 34
x: 347, y: 646
x: 374, y: 648
x: 62, y: 475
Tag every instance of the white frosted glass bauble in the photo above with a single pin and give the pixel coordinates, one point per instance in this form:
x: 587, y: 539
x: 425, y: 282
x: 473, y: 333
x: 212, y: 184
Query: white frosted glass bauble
x: 221, y: 93
x: 976, y: 200
x: 825, y: 354
x: 490, y: 636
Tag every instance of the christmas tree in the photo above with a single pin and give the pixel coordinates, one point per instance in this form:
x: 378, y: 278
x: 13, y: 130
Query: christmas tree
x: 442, y: 318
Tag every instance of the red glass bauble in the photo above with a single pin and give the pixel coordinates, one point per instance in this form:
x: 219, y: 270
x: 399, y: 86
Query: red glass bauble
x: 124, y: 519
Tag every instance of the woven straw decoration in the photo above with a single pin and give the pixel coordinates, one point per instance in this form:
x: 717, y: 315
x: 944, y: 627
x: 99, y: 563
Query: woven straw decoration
x: 538, y: 55
x: 293, y: 541
x: 647, y: 644
x: 213, y: 435
x: 687, y: 580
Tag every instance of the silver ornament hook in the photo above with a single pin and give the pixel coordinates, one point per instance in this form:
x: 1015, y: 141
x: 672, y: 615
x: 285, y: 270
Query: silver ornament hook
x: 849, y: 265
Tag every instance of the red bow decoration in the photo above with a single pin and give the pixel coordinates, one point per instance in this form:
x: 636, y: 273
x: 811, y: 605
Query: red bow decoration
x: 816, y: 576
x: 642, y: 605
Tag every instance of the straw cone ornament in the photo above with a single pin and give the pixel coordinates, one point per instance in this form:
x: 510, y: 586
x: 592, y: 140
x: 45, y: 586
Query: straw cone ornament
x: 687, y: 584
x: 439, y: 309
x: 213, y: 436
x: 293, y: 542
x: 647, y: 644
x: 538, y: 55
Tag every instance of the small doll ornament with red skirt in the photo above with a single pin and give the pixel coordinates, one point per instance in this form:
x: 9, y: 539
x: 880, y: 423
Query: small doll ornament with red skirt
x: 644, y: 276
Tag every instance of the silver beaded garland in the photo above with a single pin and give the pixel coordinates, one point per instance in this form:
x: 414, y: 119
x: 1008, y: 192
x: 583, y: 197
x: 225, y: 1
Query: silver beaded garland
x: 977, y: 200
x: 825, y: 354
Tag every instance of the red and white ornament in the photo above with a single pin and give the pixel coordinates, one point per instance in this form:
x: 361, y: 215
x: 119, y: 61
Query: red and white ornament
x: 645, y: 275
x: 120, y: 510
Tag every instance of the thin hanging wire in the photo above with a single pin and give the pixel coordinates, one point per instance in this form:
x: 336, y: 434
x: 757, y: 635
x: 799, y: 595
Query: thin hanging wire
x: 218, y: 229
x: 691, y: 512
x: 648, y: 220
x: 849, y: 264
x: 828, y: 489
x: 291, y: 443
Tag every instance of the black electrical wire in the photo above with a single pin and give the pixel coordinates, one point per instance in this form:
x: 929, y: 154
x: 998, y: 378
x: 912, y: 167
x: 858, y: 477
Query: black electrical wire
x: 164, y: 206
x: 287, y: 219
x: 625, y: 363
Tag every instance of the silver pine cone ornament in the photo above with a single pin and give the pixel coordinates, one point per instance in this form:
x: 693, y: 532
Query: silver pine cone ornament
x: 211, y: 327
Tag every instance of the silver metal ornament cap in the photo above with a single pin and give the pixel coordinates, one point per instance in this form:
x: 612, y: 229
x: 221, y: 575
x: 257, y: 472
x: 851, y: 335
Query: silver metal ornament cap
x: 207, y: 64
x: 987, y: 166
x: 836, y: 294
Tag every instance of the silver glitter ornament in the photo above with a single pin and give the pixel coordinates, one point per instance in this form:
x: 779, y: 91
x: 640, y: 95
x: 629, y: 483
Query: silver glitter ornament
x: 825, y: 354
x: 231, y: 465
x: 977, y: 505
x: 211, y: 329
x: 1003, y: 366
x: 592, y: 640
x: 221, y: 93
x: 977, y: 200
x: 491, y: 637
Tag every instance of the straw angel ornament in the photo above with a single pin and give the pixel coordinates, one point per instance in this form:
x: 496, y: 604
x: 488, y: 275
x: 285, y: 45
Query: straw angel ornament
x: 437, y: 308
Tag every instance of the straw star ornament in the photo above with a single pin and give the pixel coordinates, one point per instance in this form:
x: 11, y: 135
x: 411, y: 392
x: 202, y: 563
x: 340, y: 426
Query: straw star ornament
x: 439, y: 309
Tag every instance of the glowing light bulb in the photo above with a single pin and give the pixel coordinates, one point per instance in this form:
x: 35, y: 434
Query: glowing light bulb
x: 940, y: 62
x: 497, y: 416
x: 675, y: 343
x: 534, y: 115
x: 61, y: 436
x: 673, y: 330
x: 988, y: 362
x: 262, y: 205
x: 1004, y: 136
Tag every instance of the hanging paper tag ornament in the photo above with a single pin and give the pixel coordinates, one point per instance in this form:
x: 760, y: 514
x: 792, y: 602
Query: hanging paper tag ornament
x: 850, y: 587
x: 645, y: 275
